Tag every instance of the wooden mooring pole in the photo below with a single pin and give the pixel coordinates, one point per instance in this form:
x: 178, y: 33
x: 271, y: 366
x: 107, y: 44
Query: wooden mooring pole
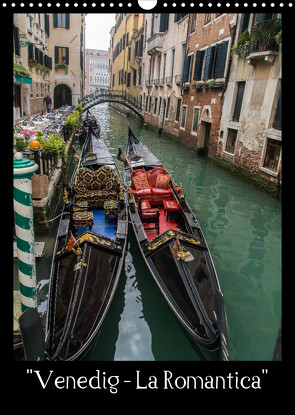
x: 23, y: 169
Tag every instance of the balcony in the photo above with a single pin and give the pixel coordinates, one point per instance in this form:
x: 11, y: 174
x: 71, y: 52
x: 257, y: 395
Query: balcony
x: 169, y: 80
x: 148, y: 82
x: 262, y: 43
x: 178, y: 79
x: 154, y: 44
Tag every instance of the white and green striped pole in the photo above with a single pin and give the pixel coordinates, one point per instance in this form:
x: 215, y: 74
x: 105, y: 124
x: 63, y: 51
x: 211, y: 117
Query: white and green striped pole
x: 23, y: 170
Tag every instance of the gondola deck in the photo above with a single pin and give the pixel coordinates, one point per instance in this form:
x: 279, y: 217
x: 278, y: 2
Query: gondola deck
x: 89, y: 253
x: 175, y: 250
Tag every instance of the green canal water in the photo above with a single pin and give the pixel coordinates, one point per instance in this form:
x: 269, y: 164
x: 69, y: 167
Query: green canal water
x: 242, y: 226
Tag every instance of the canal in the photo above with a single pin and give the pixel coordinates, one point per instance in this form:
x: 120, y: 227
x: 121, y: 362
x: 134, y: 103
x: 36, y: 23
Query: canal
x: 242, y: 226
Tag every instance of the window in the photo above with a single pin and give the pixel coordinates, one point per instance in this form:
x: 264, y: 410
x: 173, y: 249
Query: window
x: 61, y: 54
x: 211, y: 62
x: 179, y: 16
x: 155, y: 106
x: 231, y: 140
x: 128, y: 79
x: 272, y: 154
x: 239, y: 100
x: 160, y: 104
x: 150, y: 104
x: 187, y: 68
x: 183, y: 119
x: 192, y: 22
x: 196, y: 119
x: 61, y: 20
x: 164, y: 22
x: 172, y: 62
x: 207, y: 18
x: 134, y: 76
x: 178, y: 109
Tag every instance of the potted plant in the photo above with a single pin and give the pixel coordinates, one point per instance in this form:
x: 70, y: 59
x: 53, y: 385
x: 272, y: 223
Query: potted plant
x: 20, y: 140
x: 61, y: 66
x: 264, y: 33
x: 53, y: 145
x: 242, y: 46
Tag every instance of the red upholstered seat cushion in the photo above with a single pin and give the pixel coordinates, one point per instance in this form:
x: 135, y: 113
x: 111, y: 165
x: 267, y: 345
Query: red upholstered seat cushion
x: 136, y: 173
x: 151, y: 214
x: 143, y: 193
x: 153, y: 174
x: 170, y: 205
x: 145, y: 205
x: 140, y: 181
x: 161, y: 192
x: 162, y: 181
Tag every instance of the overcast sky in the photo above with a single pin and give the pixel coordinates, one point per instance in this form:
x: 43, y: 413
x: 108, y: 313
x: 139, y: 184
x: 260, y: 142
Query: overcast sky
x: 98, y: 26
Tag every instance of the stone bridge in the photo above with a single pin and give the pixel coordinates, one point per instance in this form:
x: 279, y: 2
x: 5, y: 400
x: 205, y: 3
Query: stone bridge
x: 112, y: 95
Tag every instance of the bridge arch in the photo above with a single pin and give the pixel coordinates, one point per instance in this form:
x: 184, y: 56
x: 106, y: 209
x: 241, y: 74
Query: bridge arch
x: 118, y: 97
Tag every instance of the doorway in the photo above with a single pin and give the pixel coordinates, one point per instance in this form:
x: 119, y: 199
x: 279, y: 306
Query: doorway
x: 62, y: 96
x: 204, y: 139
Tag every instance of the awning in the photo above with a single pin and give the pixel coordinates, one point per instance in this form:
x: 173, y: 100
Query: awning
x: 24, y: 79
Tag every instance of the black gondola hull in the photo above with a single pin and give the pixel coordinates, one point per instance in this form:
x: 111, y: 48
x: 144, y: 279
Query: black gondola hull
x: 190, y: 287
x: 87, y: 262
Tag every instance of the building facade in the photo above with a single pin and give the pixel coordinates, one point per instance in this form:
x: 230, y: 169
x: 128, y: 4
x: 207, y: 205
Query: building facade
x: 204, y: 77
x: 50, y: 49
x: 127, y: 38
x: 96, y: 70
x: 163, y: 57
x: 250, y: 135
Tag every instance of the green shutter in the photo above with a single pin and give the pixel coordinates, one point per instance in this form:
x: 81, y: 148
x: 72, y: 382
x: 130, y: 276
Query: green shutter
x: 67, y: 21
x: 56, y: 54
x: 185, y: 71
x: 54, y: 19
x: 208, y: 68
x: 67, y: 56
x: 220, y: 60
x: 198, y: 65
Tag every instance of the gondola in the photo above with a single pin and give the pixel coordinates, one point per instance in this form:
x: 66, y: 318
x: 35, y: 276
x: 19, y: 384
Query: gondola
x: 90, y: 121
x: 175, y: 250
x: 88, y: 254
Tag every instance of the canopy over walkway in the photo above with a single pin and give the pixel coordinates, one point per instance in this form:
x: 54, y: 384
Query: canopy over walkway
x: 112, y: 95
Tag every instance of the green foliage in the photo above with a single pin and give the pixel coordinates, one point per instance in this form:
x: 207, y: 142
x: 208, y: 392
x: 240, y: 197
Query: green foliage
x: 73, y: 121
x: 43, y: 69
x: 61, y: 66
x: 20, y: 141
x: 242, y: 46
x: 54, y: 143
x: 20, y: 70
x: 79, y: 108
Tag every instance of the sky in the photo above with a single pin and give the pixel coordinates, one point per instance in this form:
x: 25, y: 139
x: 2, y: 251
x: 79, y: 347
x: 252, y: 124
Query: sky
x: 98, y: 26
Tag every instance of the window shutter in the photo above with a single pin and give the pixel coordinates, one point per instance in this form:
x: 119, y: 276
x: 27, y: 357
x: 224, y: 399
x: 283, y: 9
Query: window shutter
x: 164, y: 22
x: 56, y: 54
x: 67, y: 56
x: 220, y: 60
x: 185, y: 72
x: 31, y: 51
x: 198, y: 65
x: 208, y: 69
x: 54, y: 19
x: 67, y: 20
x: 46, y: 24
x: 16, y: 40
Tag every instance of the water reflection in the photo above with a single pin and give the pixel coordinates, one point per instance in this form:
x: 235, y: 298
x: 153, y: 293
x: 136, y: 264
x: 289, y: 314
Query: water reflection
x: 134, y: 341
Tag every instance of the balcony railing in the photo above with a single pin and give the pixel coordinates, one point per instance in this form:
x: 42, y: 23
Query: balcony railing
x: 169, y: 80
x: 178, y: 79
x: 154, y: 44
